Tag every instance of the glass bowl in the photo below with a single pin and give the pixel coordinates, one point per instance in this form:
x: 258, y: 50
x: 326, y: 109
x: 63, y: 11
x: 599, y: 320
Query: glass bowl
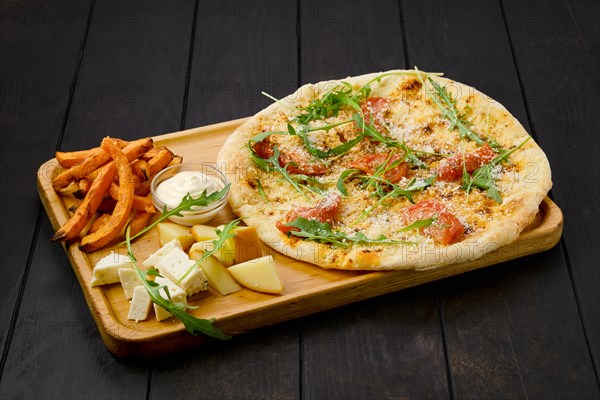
x: 198, y: 215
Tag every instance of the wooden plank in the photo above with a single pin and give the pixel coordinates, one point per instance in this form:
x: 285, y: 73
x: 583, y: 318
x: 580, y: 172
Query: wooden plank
x: 131, y: 84
x: 361, y: 351
x: 260, y: 365
x: 240, y: 48
x: 469, y: 43
x: 563, y: 104
x: 585, y: 14
x: 386, y: 347
x: 39, y: 49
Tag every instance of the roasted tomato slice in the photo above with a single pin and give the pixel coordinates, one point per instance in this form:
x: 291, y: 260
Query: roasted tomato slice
x: 370, y: 163
x: 324, y: 211
x: 451, y: 168
x: 446, y: 229
x: 299, y: 162
x: 263, y: 149
x: 376, y: 107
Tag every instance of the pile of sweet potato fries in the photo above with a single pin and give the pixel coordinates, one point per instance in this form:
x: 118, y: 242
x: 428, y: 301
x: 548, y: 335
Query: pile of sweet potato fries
x: 112, y: 183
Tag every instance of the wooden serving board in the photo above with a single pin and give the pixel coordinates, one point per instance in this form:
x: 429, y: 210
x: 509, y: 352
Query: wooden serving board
x: 308, y: 288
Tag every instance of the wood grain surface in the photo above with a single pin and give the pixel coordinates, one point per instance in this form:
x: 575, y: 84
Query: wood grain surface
x: 74, y: 71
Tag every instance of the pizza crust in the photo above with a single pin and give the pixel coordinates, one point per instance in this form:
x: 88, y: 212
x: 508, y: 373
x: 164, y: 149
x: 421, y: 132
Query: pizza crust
x: 523, y: 188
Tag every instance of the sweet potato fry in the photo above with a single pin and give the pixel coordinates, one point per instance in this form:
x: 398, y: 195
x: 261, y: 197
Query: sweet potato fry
x: 99, y: 223
x: 88, y: 226
x: 118, y: 219
x: 147, y: 156
x: 176, y: 160
x: 96, y: 159
x: 159, y: 161
x: 74, y: 206
x: 140, y: 169
x: 88, y: 206
x: 84, y: 187
x: 139, y: 203
x: 139, y: 222
x: 67, y: 159
x: 143, y: 189
x: 132, y: 151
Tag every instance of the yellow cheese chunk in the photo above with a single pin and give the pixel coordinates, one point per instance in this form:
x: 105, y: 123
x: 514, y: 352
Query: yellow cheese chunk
x: 217, y: 275
x: 168, y: 231
x: 259, y: 274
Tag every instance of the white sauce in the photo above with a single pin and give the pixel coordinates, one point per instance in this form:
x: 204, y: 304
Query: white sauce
x: 172, y: 190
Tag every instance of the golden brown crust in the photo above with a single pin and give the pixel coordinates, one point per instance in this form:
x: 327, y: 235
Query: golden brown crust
x: 523, y: 182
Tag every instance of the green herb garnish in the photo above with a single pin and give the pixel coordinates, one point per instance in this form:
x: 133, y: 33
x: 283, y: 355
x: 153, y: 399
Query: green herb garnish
x: 483, y: 178
x: 272, y: 164
x: 418, y: 224
x: 186, y: 205
x: 193, y: 325
x: 447, y: 105
x: 322, y: 232
x: 343, y: 176
x: 261, y: 190
x: 223, y: 235
x: 413, y: 187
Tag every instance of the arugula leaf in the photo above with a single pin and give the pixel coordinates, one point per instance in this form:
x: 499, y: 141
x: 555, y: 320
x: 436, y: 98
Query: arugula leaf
x: 261, y: 190
x: 371, y: 132
x: 483, y: 178
x: 322, y: 232
x: 330, y: 104
x: 418, y: 224
x: 345, y: 147
x: 340, y: 183
x: 186, y: 205
x: 223, y: 235
x: 301, y: 132
x: 342, y: 95
x: 263, y: 135
x: 272, y: 164
x: 312, y: 184
x: 413, y: 187
x: 193, y: 325
x: 447, y: 106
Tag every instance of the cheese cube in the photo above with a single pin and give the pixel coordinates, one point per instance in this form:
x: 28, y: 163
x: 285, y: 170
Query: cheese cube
x: 140, y: 304
x: 160, y: 253
x: 107, y: 269
x: 177, y: 296
x: 129, y: 280
x: 175, y: 264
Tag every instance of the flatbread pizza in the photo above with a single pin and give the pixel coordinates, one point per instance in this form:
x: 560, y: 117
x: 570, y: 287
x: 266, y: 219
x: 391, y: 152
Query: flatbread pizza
x: 387, y: 171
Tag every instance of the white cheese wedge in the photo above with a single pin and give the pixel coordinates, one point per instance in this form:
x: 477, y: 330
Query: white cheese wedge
x: 175, y: 264
x: 129, y: 280
x: 160, y: 253
x: 259, y: 274
x: 107, y: 269
x: 177, y: 295
x: 140, y: 304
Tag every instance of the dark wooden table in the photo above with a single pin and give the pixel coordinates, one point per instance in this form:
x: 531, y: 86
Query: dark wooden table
x: 75, y: 71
